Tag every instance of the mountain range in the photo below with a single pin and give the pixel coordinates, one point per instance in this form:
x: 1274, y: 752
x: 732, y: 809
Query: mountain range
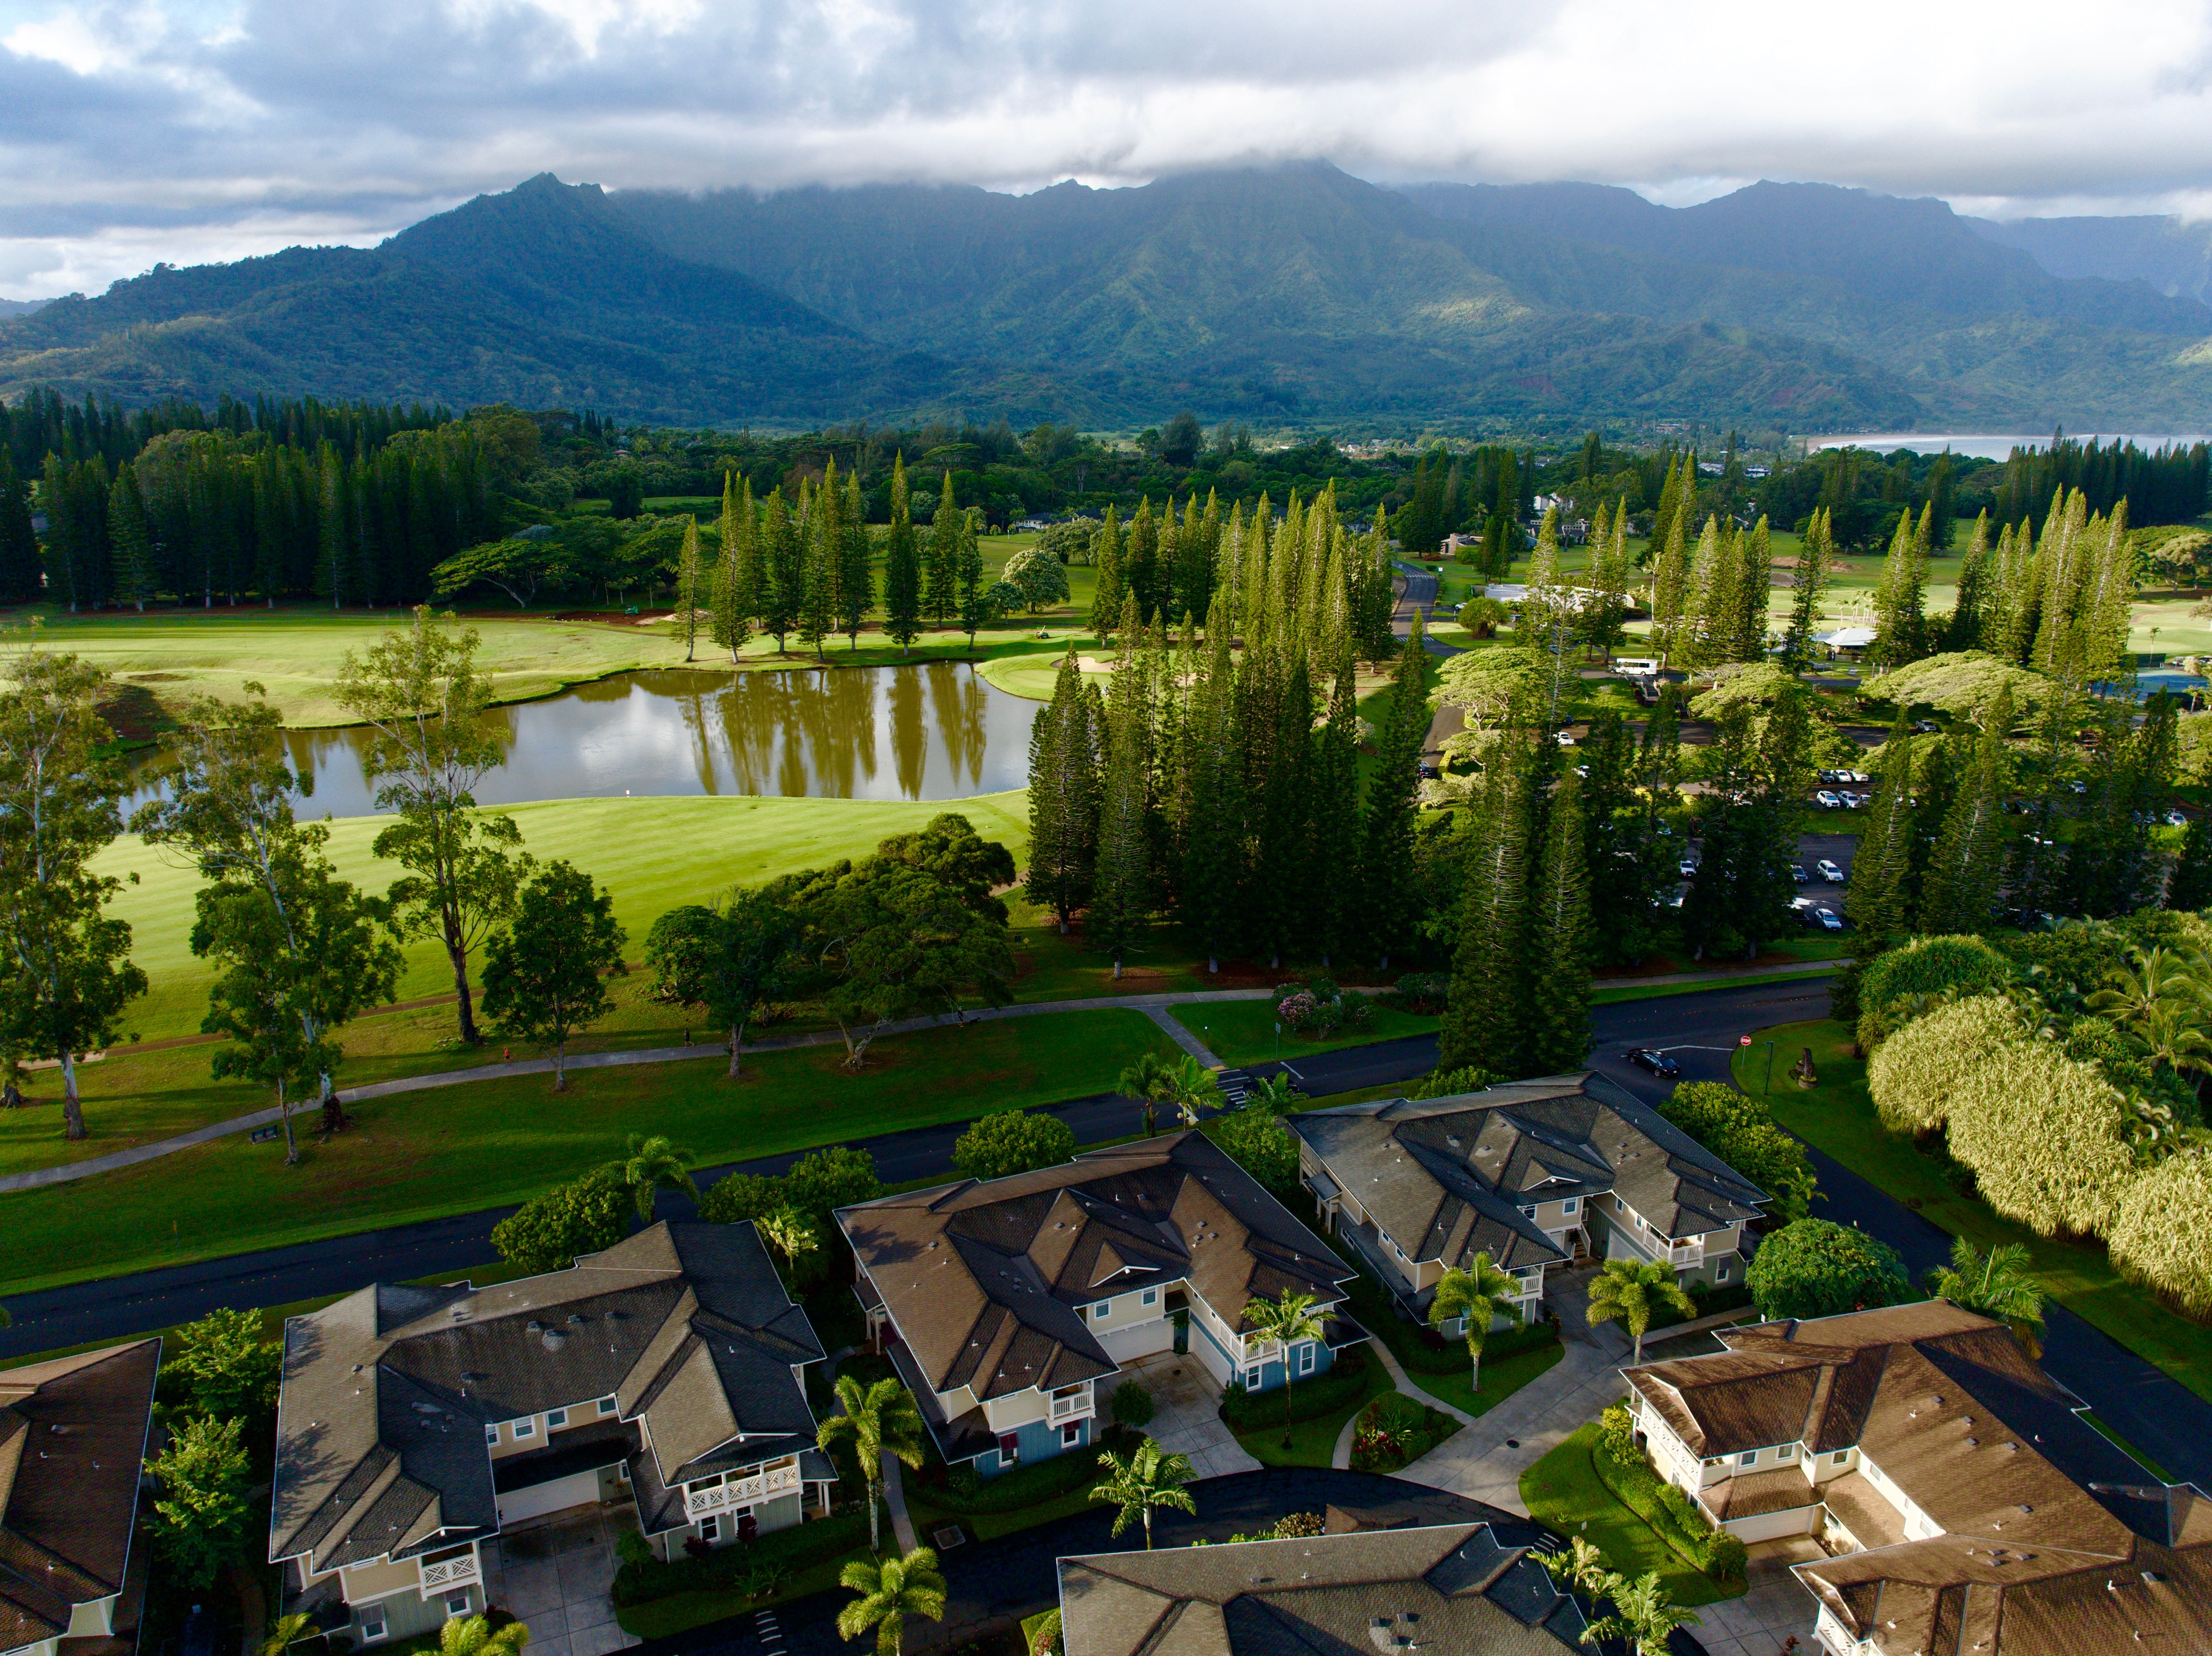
x: 1288, y: 295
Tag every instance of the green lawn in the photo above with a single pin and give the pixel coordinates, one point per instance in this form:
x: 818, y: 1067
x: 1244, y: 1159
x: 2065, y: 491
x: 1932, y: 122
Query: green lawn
x: 1500, y: 1380
x: 1313, y: 1442
x: 1243, y: 1031
x: 456, y: 1150
x: 1563, y: 1489
x: 1836, y: 1116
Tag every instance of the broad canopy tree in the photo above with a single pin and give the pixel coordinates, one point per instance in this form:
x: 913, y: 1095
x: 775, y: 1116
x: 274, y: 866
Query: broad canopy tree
x: 545, y: 976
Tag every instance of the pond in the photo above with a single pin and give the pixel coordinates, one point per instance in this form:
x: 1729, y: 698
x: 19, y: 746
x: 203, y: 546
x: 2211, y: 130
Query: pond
x: 934, y: 730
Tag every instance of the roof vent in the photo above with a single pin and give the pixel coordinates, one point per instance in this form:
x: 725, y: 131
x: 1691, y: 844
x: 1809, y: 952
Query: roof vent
x: 553, y: 1338
x: 2152, y: 1578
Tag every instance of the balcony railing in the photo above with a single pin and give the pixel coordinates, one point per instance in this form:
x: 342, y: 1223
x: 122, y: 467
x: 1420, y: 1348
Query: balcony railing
x: 1068, y: 1408
x: 449, y: 1572
x: 1682, y: 1254
x: 741, y: 1491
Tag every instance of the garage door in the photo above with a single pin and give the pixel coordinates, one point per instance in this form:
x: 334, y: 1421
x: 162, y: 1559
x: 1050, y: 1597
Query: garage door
x: 581, y: 1489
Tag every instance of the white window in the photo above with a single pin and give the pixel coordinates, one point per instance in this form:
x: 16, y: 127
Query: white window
x: 1748, y: 1457
x: 457, y: 1604
x: 1152, y: 1296
x: 1306, y: 1359
x: 607, y: 1405
x: 1721, y: 1274
x: 1103, y: 1310
x: 1571, y: 1204
x: 372, y: 1623
x: 491, y: 1435
x: 555, y: 1419
x: 1252, y: 1380
x: 523, y: 1429
x: 1070, y: 1435
x: 1787, y: 1451
x: 1839, y: 1457
x: 710, y: 1529
x: 1527, y: 1213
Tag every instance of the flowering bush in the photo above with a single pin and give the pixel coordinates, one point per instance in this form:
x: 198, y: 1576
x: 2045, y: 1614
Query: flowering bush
x: 1322, y: 1009
x: 1377, y: 1451
x: 1299, y: 1009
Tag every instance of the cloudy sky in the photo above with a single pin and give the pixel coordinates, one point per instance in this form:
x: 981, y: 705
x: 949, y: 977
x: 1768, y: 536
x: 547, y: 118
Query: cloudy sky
x: 194, y: 130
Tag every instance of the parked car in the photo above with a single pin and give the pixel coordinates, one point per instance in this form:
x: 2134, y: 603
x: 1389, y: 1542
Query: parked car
x: 1797, y: 872
x: 1829, y: 776
x: 1829, y: 871
x: 2177, y: 819
x: 1687, y: 868
x: 1855, y: 801
x: 1828, y: 801
x: 1853, y: 776
x: 1657, y: 1063
x: 1799, y: 905
x: 1827, y: 920
x: 1426, y: 768
x: 1564, y: 738
x: 1925, y: 726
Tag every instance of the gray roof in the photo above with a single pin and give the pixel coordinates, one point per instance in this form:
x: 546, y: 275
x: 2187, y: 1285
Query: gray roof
x: 72, y: 1440
x: 1446, y: 1178
x: 1447, y: 1587
x: 379, y: 1431
x: 984, y: 1282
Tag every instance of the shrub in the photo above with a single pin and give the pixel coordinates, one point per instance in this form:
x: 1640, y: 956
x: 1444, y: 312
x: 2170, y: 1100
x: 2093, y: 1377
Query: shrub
x: 1025, y: 1486
x: 1298, y: 1010
x: 2042, y: 1133
x: 1133, y: 1405
x: 1356, y: 1011
x: 1423, y: 992
x: 1616, y: 1433
x: 817, y: 1185
x: 1012, y: 1140
x: 1450, y: 1083
x: 1319, y: 1394
x: 1811, y: 1268
x: 1917, y: 1071
x: 548, y: 1232
x: 751, y: 1565
x: 223, y: 1366
x: 741, y: 1196
x: 1928, y: 967
x: 1741, y: 1130
x: 2161, y: 1234
x: 1726, y: 1556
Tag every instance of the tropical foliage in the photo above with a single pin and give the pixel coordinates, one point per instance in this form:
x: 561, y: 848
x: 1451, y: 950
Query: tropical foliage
x: 1812, y: 1268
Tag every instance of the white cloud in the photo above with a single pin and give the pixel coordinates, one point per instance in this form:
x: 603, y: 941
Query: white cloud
x: 137, y: 130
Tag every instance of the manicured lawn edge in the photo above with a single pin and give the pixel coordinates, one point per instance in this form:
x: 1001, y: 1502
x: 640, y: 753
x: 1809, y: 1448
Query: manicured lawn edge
x: 1565, y: 1490
x: 1241, y: 1032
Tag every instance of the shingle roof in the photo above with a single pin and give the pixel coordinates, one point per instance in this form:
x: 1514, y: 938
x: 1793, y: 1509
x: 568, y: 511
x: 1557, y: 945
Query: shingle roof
x: 2038, y: 1511
x: 72, y: 1443
x: 380, y: 1443
x: 1449, y: 1587
x: 985, y: 1280
x: 1446, y: 1178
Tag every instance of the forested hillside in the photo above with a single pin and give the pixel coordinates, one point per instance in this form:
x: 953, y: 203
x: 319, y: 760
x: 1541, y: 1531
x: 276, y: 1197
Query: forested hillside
x: 1287, y: 293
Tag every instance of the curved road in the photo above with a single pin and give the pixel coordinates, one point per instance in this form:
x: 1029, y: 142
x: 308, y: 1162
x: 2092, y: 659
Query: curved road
x: 2143, y: 1405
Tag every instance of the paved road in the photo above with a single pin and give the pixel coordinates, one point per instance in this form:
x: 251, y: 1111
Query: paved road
x: 992, y: 1584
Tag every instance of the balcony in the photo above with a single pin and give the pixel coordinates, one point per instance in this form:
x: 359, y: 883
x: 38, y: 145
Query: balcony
x: 701, y: 1499
x: 1073, y: 1406
x: 1684, y: 1255
x: 441, y: 1574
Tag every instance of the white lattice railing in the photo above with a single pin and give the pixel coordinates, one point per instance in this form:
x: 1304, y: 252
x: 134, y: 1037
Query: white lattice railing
x: 741, y: 1491
x: 449, y: 1572
x: 1068, y: 1408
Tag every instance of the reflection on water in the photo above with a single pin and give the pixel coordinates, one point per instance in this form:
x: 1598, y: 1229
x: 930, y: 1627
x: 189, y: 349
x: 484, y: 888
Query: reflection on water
x: 931, y: 731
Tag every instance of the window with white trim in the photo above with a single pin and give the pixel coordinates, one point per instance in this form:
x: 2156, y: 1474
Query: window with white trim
x: 1570, y: 1203
x: 1748, y: 1457
x: 1306, y: 1359
x: 372, y: 1624
x: 607, y: 1405
x: 457, y: 1604
x: 710, y: 1527
x: 491, y: 1435
x: 555, y: 1419
x: 1787, y: 1451
x: 1103, y: 1310
x: 1839, y: 1457
x: 1070, y: 1435
x: 1721, y: 1275
x: 1527, y: 1213
x: 523, y: 1429
x: 1152, y: 1296
x: 1252, y: 1380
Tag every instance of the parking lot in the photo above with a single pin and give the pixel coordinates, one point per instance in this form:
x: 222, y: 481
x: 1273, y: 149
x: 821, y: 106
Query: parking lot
x: 1812, y: 849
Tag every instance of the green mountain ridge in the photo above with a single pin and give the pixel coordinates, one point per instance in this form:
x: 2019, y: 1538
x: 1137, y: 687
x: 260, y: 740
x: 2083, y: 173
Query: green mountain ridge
x: 1292, y: 294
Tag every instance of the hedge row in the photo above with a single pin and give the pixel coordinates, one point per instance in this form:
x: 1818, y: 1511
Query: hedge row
x: 641, y: 1582
x: 1325, y: 1392
x: 1424, y: 1352
x: 1672, y: 1515
x: 1025, y: 1486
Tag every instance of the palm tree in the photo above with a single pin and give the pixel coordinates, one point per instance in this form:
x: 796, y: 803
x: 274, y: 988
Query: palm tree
x: 1643, y: 1614
x: 652, y: 1165
x: 1629, y: 1291
x: 1195, y: 1087
x: 879, y: 1418
x: 472, y: 1635
x: 1149, y: 1477
x: 2158, y: 976
x: 288, y: 1631
x: 1288, y: 1319
x: 1270, y: 1093
x: 1999, y: 1284
x: 1150, y: 1079
x: 1478, y: 1293
x: 1581, y: 1565
x: 790, y: 1233
x: 890, y: 1591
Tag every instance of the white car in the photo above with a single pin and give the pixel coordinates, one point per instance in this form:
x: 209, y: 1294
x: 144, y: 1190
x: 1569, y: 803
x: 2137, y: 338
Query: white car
x: 1828, y: 801
x: 1565, y: 739
x: 1855, y: 801
x: 1829, y: 871
x: 1687, y: 868
x: 1827, y: 920
x: 2176, y: 819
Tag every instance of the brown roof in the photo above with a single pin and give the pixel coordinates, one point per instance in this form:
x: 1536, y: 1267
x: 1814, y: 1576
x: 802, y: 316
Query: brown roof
x: 72, y: 1444
x: 1784, y: 1489
x: 380, y: 1428
x: 2053, y: 1542
x: 984, y: 1282
x: 1446, y: 1178
x: 1449, y: 1587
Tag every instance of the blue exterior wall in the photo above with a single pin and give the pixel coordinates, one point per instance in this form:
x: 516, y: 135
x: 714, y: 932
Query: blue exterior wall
x: 1272, y: 1372
x: 1040, y: 1440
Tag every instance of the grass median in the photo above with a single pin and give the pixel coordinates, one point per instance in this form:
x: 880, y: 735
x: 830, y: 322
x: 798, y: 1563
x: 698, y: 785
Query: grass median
x: 483, y: 1144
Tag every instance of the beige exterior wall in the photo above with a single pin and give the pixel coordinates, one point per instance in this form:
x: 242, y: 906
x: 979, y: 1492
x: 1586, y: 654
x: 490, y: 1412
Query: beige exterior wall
x: 363, y: 1582
x: 93, y: 1619
x: 1918, y: 1525
x: 1128, y: 1305
x: 528, y: 1432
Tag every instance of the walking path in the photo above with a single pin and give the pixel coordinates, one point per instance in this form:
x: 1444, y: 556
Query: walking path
x: 1154, y: 1006
x: 1340, y: 1457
